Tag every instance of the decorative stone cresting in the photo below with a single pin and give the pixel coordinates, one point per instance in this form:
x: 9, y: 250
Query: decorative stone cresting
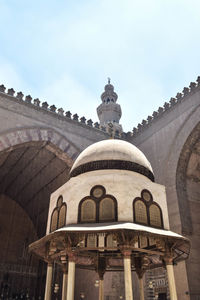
x: 53, y: 109
x: 193, y: 87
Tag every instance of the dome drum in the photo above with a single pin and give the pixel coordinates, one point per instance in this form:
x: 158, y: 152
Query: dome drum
x: 112, y: 165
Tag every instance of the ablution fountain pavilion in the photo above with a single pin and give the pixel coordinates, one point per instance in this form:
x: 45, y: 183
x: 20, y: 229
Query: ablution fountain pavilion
x: 110, y: 216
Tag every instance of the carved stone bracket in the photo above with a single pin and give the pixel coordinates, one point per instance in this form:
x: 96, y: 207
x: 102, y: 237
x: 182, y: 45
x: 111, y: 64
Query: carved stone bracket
x: 100, y: 266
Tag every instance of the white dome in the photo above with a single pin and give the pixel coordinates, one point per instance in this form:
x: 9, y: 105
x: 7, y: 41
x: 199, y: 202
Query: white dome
x: 110, y: 150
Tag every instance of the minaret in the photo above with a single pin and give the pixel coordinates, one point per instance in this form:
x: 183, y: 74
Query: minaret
x: 109, y: 112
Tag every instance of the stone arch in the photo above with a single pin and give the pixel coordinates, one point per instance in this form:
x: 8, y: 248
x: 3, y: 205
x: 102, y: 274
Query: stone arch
x: 35, y: 134
x: 16, y: 159
x: 34, y: 162
x: 188, y: 193
x: 171, y: 164
x: 188, y: 165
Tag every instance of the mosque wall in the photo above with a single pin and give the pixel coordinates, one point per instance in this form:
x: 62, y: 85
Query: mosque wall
x: 167, y: 145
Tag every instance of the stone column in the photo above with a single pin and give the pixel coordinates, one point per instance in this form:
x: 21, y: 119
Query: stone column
x: 65, y: 272
x: 48, y: 286
x: 71, y: 276
x: 128, y: 275
x: 141, y: 285
x: 171, y: 279
x: 64, y: 286
x: 101, y: 289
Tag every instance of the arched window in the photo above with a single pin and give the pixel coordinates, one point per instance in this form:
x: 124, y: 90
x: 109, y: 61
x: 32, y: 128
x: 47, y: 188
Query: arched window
x: 88, y: 211
x: 98, y: 207
x: 54, y: 220
x: 155, y: 215
x: 58, y: 217
x: 107, y: 209
x: 62, y: 216
x: 140, y: 212
x: 146, y: 211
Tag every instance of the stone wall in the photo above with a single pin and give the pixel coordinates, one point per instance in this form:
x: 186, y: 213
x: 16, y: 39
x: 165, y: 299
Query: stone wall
x: 165, y: 143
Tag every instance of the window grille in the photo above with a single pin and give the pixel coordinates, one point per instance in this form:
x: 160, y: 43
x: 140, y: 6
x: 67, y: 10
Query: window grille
x: 107, y: 210
x: 91, y: 241
x: 62, y: 216
x: 155, y: 216
x: 54, y: 220
x: 140, y: 212
x: 98, y: 207
x: 58, y: 217
x: 88, y: 211
x: 147, y: 212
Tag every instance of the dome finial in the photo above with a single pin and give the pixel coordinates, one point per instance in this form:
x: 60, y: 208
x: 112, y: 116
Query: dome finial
x: 109, y: 80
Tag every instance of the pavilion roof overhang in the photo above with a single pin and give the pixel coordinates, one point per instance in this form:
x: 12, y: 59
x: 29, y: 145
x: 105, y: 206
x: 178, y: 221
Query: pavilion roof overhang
x: 114, y: 226
x: 180, y: 243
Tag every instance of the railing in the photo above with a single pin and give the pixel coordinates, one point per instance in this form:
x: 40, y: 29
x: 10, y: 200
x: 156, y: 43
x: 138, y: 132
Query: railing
x: 18, y: 269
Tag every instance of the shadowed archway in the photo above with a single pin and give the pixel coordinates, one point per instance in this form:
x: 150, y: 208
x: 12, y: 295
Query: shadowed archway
x: 188, y: 192
x: 34, y: 162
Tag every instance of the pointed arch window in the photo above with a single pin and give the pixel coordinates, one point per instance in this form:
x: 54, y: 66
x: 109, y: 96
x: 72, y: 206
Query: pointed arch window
x: 98, y: 207
x: 140, y: 212
x: 58, y: 217
x: 62, y: 216
x: 54, y: 220
x: 107, y: 209
x: 155, y: 215
x: 88, y: 211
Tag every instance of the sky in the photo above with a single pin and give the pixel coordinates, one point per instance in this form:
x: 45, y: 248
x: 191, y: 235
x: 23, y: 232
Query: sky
x: 63, y: 51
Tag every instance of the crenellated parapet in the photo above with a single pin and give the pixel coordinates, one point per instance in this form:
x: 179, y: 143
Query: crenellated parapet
x: 52, y: 109
x: 187, y: 91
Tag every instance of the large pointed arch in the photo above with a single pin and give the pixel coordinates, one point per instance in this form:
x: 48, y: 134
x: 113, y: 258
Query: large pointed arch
x: 13, y: 138
x: 33, y: 163
x: 179, y: 215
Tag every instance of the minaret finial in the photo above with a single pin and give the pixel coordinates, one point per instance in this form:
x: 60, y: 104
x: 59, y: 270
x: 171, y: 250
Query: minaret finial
x: 108, y: 80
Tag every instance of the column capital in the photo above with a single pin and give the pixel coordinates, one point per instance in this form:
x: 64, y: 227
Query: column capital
x: 126, y: 252
x: 168, y: 260
x: 49, y: 263
x: 71, y: 256
x: 63, y: 259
